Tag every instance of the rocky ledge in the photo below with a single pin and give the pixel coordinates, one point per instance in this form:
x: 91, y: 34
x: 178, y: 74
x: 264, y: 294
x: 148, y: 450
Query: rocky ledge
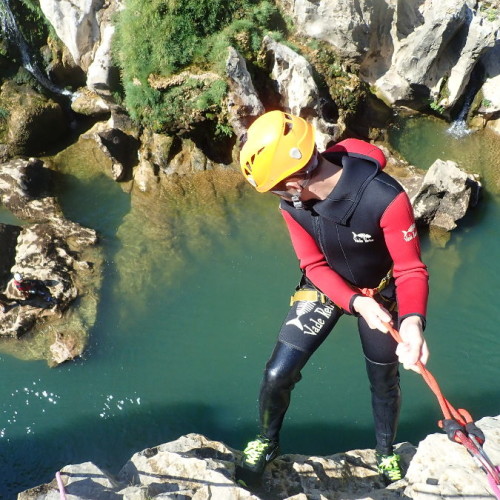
x: 194, y: 467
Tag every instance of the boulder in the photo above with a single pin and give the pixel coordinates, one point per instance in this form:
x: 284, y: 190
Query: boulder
x: 445, y: 195
x: 195, y: 467
x: 33, y: 122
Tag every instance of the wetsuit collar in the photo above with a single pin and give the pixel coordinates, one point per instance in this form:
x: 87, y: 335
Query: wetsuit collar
x: 339, y: 205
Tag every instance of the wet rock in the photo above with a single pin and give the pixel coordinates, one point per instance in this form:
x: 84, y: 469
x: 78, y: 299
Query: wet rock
x: 196, y: 467
x: 32, y: 121
x: 8, y: 239
x: 118, y: 139
x: 89, y: 103
x: 57, y: 255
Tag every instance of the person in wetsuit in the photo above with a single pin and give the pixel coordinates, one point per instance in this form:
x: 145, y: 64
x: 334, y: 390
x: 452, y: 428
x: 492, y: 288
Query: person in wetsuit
x: 353, y: 231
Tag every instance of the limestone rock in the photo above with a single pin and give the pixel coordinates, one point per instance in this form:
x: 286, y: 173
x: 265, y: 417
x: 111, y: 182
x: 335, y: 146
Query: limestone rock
x: 294, y: 81
x: 345, y: 24
x: 195, y: 467
x: 33, y: 121
x: 409, y: 51
x: 490, y: 106
x: 86, y: 29
x: 445, y: 195
x: 76, y: 25
x: 58, y: 254
x: 442, y: 469
x: 117, y: 138
x: 243, y: 101
x: 89, y: 103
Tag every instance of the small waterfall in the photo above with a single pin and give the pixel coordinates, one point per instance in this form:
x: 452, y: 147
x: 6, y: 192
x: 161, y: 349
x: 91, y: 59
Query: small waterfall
x: 459, y: 127
x: 8, y: 26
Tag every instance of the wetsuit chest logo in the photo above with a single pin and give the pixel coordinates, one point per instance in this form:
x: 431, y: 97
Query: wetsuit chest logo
x: 362, y: 237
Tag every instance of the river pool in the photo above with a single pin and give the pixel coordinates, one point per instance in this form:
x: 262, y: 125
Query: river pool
x: 186, y: 322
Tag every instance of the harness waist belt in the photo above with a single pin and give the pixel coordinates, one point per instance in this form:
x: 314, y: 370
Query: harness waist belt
x: 308, y: 295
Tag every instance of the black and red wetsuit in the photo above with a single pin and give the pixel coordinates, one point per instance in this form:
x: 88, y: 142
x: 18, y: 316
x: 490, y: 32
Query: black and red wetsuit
x: 357, y: 234
x: 345, y: 243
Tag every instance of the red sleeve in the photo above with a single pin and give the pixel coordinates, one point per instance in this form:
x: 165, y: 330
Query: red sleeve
x: 410, y: 273
x: 313, y: 262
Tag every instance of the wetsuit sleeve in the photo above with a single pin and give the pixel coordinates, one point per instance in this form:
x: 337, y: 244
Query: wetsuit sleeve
x: 312, y: 261
x: 410, y: 273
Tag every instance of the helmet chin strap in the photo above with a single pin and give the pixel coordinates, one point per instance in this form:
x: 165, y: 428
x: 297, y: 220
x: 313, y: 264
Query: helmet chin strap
x: 297, y: 202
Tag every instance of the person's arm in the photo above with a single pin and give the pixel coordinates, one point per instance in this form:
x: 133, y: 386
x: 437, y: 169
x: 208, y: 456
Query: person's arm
x: 411, y: 278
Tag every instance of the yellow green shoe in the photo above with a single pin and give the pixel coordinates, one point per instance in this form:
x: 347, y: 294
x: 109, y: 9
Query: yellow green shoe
x: 257, y: 454
x: 389, y: 466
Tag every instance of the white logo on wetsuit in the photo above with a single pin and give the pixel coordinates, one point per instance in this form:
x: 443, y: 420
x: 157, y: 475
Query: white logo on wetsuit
x: 362, y: 237
x: 313, y: 325
x: 410, y: 233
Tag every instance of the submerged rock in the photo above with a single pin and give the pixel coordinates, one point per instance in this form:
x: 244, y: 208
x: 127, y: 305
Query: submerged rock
x: 195, y: 467
x: 59, y: 256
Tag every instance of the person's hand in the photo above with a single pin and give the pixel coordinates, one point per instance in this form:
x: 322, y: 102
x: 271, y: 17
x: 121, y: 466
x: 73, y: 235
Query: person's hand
x: 372, y: 312
x: 413, y: 347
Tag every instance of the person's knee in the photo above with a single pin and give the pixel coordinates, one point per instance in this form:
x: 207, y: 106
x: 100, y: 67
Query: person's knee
x: 279, y: 378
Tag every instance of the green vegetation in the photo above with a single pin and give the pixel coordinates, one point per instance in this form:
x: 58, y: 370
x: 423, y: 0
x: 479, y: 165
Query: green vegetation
x: 490, y: 9
x: 436, y: 107
x: 32, y: 22
x: 336, y: 77
x: 161, y: 38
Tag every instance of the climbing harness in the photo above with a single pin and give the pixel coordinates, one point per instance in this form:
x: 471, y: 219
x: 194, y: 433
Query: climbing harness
x: 371, y: 292
x: 459, y: 425
x: 309, y: 295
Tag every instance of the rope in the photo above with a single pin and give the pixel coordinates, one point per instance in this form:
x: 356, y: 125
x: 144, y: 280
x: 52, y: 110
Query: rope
x: 462, y: 416
x: 60, y: 484
x: 466, y: 433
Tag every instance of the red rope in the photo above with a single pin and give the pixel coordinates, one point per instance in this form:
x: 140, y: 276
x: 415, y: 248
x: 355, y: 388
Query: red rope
x: 462, y: 416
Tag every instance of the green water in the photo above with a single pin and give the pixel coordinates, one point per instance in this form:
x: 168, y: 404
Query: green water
x: 188, y: 317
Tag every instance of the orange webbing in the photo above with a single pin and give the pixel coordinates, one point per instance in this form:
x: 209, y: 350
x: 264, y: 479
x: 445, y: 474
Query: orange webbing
x: 463, y: 417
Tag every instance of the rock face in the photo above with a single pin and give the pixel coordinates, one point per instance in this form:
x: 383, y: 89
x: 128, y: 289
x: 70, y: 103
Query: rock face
x: 293, y: 78
x: 194, y: 467
x: 85, y: 27
x: 50, y: 250
x: 410, y: 50
x: 243, y: 101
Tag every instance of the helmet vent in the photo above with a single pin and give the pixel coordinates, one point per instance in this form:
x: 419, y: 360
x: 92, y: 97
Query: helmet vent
x: 288, y: 128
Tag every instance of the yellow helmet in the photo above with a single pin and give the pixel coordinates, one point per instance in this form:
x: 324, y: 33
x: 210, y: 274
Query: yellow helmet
x: 278, y: 145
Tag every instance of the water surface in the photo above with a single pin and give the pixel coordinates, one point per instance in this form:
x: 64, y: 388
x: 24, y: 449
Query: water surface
x: 189, y: 315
